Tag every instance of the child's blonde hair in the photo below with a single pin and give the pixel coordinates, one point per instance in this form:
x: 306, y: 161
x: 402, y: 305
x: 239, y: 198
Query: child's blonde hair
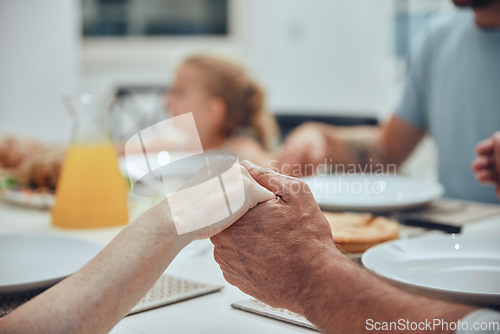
x: 244, y: 98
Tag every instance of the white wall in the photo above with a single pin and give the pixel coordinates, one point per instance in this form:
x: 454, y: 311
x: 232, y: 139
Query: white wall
x: 39, y: 62
x: 324, y: 55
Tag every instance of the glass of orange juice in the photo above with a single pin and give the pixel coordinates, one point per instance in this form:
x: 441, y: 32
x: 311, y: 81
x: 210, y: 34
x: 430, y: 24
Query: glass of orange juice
x: 91, y: 191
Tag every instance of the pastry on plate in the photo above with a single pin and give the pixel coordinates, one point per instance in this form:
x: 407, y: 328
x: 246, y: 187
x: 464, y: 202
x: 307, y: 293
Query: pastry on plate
x: 26, y: 164
x: 14, y: 150
x: 41, y: 169
x: 356, y: 232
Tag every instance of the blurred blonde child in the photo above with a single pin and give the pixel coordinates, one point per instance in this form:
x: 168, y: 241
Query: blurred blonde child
x: 227, y: 105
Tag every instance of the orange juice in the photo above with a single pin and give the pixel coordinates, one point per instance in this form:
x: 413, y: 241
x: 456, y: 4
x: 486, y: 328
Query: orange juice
x: 91, y: 191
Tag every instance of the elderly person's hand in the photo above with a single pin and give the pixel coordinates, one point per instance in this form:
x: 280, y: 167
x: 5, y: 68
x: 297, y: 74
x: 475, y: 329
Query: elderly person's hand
x: 282, y: 253
x: 271, y: 251
x: 487, y: 164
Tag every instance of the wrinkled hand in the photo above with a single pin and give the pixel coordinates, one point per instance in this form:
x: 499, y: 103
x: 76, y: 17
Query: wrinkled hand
x: 487, y: 164
x: 272, y: 250
x: 202, y: 213
x: 304, y: 149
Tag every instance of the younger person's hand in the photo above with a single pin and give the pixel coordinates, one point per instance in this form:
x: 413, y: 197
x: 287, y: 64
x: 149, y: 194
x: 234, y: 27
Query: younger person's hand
x: 304, y: 149
x: 487, y: 164
x: 214, y: 198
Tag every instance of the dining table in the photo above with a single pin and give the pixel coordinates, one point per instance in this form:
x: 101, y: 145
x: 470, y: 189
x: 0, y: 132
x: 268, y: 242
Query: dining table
x: 210, y: 313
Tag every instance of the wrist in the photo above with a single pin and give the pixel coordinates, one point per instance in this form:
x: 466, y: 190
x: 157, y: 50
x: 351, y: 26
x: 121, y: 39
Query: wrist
x: 335, y: 292
x: 317, y: 282
x: 161, y: 220
x: 343, y: 297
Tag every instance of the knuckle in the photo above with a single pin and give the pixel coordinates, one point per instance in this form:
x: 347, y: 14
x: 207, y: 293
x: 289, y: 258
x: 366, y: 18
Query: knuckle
x: 221, y: 239
x: 266, y: 171
x: 228, y: 277
x: 217, y: 253
x: 305, y: 187
x: 296, y: 185
x: 216, y: 240
x: 218, y: 261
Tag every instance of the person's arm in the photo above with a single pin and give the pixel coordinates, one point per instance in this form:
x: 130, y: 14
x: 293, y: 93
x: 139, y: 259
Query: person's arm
x: 390, y: 144
x: 97, y: 296
x: 282, y: 252
x: 487, y: 164
x: 315, y: 143
x: 343, y: 298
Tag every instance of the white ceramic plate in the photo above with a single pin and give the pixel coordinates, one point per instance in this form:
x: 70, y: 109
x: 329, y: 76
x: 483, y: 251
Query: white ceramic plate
x: 372, y: 193
x: 28, y: 199
x: 30, y: 262
x: 460, y: 268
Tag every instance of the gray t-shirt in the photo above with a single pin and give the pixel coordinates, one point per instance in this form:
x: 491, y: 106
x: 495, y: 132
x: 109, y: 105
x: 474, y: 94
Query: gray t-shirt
x: 453, y: 91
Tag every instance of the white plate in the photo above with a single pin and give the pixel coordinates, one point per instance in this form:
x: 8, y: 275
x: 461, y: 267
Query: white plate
x: 460, y: 268
x: 28, y: 199
x: 372, y: 193
x: 36, y: 261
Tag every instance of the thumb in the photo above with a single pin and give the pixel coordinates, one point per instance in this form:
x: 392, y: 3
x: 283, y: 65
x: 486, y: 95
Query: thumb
x: 266, y: 177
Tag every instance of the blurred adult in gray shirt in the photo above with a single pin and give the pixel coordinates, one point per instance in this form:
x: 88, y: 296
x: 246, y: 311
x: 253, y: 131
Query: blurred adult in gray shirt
x: 452, y: 93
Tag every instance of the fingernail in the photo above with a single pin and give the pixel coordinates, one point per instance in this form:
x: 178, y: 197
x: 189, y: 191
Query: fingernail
x: 247, y: 164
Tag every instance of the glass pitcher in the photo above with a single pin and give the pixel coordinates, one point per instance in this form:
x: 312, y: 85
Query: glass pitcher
x: 91, y: 192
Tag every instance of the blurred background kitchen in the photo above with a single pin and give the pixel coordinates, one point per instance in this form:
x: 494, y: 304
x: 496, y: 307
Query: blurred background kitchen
x: 340, y: 62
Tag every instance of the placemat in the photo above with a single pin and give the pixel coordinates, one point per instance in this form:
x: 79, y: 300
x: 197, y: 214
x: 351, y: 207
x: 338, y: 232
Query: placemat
x: 257, y: 307
x: 167, y: 290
